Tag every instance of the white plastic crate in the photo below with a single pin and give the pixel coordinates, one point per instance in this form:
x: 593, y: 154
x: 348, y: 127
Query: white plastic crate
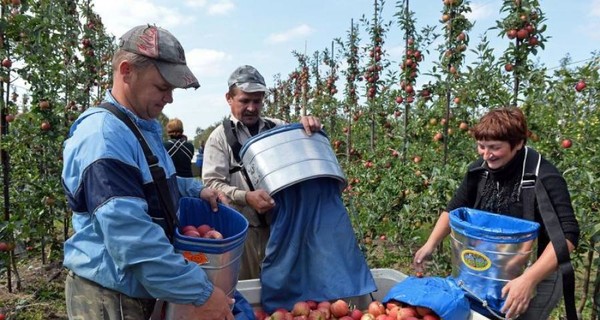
x: 385, y: 279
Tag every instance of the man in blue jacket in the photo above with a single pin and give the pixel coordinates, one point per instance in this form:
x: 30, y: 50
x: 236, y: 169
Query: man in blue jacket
x: 119, y: 258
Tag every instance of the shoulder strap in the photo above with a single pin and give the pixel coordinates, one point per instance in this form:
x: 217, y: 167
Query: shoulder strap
x: 531, y: 169
x: 559, y: 242
x: 232, y: 141
x: 478, y: 174
x: 533, y: 189
x: 158, y: 173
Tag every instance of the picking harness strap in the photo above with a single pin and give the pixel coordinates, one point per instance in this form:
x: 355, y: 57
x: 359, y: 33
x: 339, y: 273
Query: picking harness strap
x: 158, y: 174
x: 236, y: 146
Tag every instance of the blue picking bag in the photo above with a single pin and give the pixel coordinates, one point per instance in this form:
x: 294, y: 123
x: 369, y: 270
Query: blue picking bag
x: 441, y: 295
x: 489, y: 250
x: 312, y: 253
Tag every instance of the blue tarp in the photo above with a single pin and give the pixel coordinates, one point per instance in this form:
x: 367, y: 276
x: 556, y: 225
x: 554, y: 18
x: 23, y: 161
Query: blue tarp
x: 441, y: 295
x: 312, y: 253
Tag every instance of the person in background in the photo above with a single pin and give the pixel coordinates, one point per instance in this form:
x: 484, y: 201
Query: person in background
x: 119, y: 258
x: 179, y: 148
x: 200, y: 158
x: 247, y: 90
x: 501, y: 135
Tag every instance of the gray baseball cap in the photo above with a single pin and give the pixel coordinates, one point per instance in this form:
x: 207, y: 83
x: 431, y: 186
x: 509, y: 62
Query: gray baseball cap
x: 248, y: 79
x: 164, y: 49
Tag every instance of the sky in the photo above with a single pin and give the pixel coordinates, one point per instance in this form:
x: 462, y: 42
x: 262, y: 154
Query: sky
x: 220, y: 35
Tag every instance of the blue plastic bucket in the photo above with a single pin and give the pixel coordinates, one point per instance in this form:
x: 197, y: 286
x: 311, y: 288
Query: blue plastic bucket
x: 220, y: 258
x: 489, y: 250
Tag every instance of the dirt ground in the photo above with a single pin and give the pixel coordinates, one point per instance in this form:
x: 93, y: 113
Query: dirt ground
x: 39, y: 295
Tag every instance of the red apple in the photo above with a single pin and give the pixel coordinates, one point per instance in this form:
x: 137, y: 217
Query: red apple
x: 45, y: 126
x: 423, y: 311
x: 533, y: 41
x: 437, y: 137
x: 44, y: 105
x: 312, y: 304
x: 339, y: 308
x: 9, y: 118
x: 6, y: 63
x: 213, y: 234
x: 566, y: 143
x: 376, y: 308
x: 203, y: 229
x: 367, y: 316
x: 260, y: 314
x: 3, y: 246
x: 301, y: 308
x: 187, y: 228
x: 522, y: 34
x: 406, y: 312
x: 192, y: 233
x: 356, y: 314
x: 279, y: 314
x: 325, y: 311
x: 431, y: 316
x: 580, y: 86
x: 508, y: 67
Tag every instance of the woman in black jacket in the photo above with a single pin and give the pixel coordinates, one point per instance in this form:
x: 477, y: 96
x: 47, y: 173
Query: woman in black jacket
x: 501, y: 136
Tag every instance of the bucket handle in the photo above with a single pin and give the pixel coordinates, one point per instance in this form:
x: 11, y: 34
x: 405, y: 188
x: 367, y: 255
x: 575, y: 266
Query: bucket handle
x: 484, y: 303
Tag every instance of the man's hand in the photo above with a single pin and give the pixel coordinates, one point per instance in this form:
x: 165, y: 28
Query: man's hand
x: 311, y: 124
x: 260, y: 200
x: 214, y: 196
x: 217, y: 307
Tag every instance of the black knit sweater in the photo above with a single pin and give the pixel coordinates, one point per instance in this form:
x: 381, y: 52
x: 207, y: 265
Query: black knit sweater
x: 501, y: 195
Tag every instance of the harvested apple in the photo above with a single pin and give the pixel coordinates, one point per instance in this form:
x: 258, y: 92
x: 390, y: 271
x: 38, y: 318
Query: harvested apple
x: 203, y: 229
x: 212, y: 234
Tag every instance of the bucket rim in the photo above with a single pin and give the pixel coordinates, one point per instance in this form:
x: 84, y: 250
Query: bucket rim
x: 508, y: 234
x: 276, y: 130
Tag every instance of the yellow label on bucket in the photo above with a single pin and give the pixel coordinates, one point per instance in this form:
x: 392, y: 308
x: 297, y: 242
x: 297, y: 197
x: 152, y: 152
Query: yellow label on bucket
x: 475, y: 260
x: 197, y: 257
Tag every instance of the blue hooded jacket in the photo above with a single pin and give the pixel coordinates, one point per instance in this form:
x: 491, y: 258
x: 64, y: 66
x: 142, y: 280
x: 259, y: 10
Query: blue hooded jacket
x: 118, y: 241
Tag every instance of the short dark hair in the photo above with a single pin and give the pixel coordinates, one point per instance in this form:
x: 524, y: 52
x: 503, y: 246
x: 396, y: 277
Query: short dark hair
x: 502, y: 124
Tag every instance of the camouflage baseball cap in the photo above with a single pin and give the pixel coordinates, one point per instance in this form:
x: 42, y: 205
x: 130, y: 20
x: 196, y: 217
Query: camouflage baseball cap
x: 248, y: 79
x: 164, y: 49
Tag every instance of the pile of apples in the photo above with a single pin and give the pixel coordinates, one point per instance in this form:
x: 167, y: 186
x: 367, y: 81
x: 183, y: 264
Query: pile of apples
x: 201, y: 231
x: 341, y: 310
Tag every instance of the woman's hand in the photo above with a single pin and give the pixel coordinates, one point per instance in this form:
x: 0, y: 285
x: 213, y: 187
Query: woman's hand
x: 424, y: 253
x: 518, y: 293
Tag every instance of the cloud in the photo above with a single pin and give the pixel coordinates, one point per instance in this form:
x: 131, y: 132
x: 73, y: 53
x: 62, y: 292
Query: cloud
x: 206, y: 63
x: 480, y: 11
x: 119, y: 19
x: 219, y: 7
x: 297, y: 32
x: 595, y: 10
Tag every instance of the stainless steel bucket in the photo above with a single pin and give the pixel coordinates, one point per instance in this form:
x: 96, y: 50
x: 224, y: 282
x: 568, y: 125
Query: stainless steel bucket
x: 489, y: 250
x: 286, y: 155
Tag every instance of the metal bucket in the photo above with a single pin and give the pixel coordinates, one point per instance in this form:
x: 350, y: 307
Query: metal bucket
x: 219, y: 258
x: 488, y: 250
x: 286, y: 155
